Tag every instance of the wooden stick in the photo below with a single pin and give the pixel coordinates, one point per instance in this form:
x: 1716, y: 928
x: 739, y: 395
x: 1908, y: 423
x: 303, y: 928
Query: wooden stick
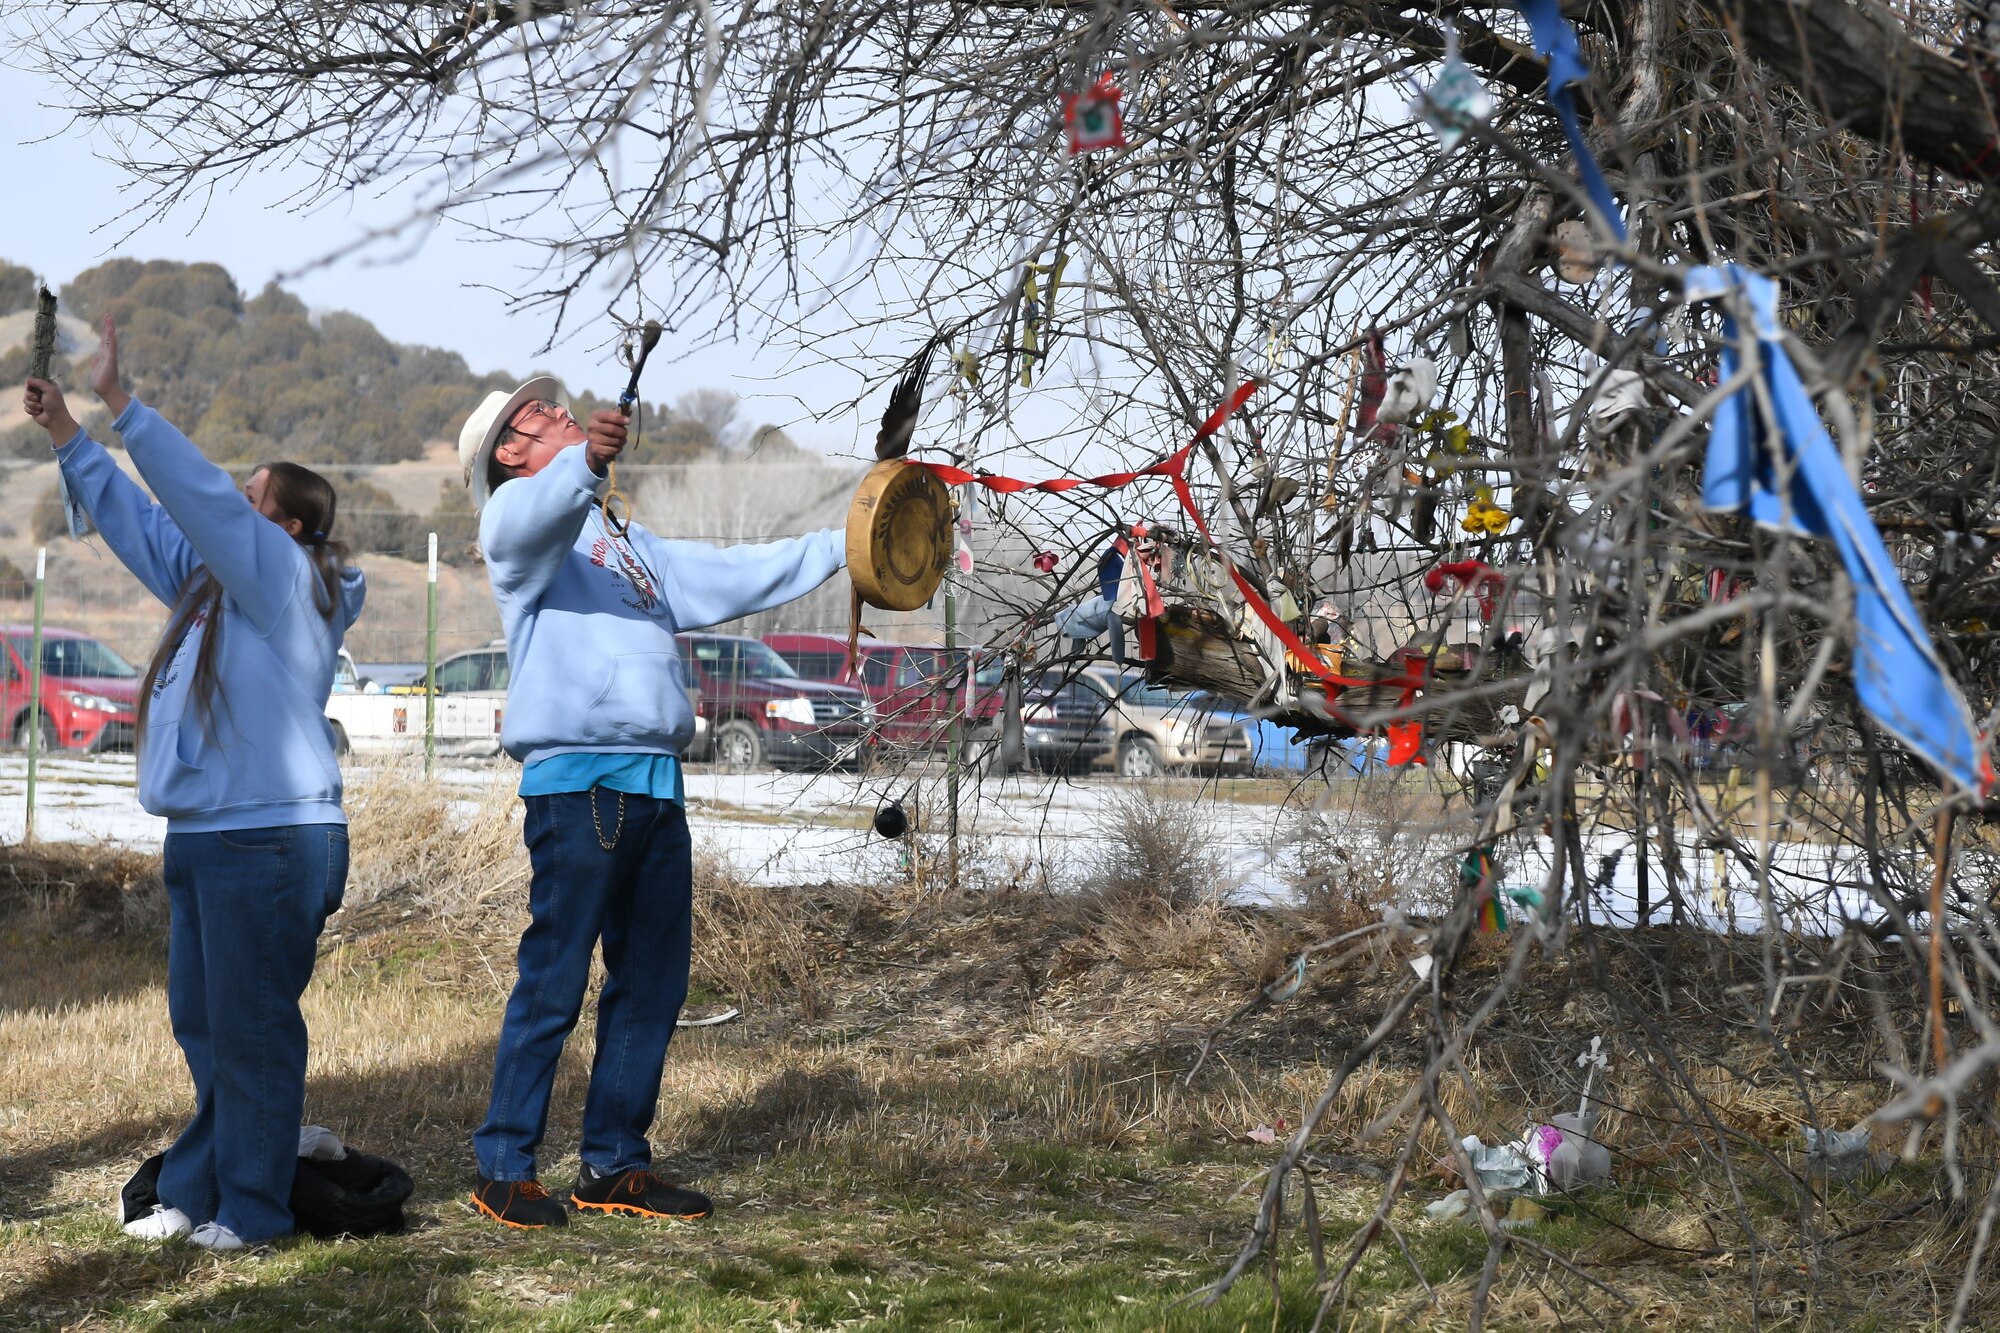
x: 1941, y: 857
x: 1327, y: 501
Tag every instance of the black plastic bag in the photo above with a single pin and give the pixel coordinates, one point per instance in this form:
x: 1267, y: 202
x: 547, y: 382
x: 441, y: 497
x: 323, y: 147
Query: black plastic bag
x: 360, y: 1195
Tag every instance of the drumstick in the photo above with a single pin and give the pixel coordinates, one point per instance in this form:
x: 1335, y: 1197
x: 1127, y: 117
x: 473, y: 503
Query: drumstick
x: 649, y: 338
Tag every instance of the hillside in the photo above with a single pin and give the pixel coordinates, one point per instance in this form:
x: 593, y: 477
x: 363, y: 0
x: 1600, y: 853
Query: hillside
x: 264, y: 377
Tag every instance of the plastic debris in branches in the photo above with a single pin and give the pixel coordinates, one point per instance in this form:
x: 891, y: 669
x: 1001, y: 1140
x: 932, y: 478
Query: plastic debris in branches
x: 1409, y: 391
x: 1455, y: 99
x: 1555, y: 41
x: 1092, y: 117
x: 1374, y: 383
x: 965, y: 368
x: 1482, y: 516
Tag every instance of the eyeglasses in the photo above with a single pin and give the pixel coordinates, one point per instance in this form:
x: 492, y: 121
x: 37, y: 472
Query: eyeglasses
x: 553, y: 412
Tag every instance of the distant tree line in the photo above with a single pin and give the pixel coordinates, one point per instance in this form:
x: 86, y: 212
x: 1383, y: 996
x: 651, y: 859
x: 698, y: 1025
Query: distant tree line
x: 251, y: 380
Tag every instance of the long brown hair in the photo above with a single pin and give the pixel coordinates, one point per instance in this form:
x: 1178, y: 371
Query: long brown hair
x: 297, y: 492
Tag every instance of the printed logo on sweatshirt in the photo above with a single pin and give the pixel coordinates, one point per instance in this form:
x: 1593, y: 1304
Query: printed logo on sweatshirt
x: 171, y: 672
x: 615, y: 554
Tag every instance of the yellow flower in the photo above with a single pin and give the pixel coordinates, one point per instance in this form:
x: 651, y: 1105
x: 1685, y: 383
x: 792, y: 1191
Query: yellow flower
x: 1485, y: 516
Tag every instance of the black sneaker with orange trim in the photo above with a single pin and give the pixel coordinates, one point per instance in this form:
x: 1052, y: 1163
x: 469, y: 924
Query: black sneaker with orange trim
x: 639, y: 1192
x: 519, y: 1203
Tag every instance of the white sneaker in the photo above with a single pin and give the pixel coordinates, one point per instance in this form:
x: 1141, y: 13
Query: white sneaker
x: 216, y: 1237
x: 163, y: 1223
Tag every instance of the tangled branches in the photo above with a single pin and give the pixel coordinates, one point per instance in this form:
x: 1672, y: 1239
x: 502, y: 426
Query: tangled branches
x: 1641, y: 681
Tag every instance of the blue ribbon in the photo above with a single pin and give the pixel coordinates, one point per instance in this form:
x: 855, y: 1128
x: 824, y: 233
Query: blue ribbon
x: 1897, y: 674
x: 1555, y: 42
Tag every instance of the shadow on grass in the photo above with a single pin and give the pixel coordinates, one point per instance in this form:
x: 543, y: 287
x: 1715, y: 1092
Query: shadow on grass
x: 411, y: 1114
x: 27, y: 1178
x: 72, y: 973
x: 351, y: 1286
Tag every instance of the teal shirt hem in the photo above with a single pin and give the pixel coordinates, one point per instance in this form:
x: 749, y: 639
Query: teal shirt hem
x: 655, y: 775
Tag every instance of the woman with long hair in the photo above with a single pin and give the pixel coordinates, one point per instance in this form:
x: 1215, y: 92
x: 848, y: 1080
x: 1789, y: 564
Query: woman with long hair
x: 236, y: 752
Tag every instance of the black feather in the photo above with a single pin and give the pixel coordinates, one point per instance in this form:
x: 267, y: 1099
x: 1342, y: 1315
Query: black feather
x: 899, y: 422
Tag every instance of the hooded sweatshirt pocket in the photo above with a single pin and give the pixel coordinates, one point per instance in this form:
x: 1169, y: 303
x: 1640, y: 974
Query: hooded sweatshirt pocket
x: 168, y: 783
x: 641, y: 698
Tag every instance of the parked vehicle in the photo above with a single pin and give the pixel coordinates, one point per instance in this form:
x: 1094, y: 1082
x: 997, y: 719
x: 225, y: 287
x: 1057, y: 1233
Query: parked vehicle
x: 761, y: 711
x: 1277, y: 750
x: 471, y: 706
x: 89, y: 693
x: 1063, y: 723
x: 1155, y: 729
x: 366, y: 717
x: 916, y: 689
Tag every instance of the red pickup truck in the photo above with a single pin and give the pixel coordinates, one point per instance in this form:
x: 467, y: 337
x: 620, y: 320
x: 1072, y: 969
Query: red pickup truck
x: 916, y: 688
x: 759, y: 710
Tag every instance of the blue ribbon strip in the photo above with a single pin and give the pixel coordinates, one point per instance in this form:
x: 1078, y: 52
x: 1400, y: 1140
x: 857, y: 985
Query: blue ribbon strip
x: 1555, y: 42
x: 1897, y: 674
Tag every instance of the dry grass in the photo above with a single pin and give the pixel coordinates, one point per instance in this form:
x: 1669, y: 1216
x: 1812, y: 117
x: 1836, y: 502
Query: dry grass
x: 754, y: 942
x: 421, y: 849
x: 1155, y: 854
x: 938, y: 1108
x: 93, y: 887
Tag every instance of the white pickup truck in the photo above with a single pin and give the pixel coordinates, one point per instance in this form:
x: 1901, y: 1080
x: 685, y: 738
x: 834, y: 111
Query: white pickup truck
x: 471, y: 703
x: 365, y: 717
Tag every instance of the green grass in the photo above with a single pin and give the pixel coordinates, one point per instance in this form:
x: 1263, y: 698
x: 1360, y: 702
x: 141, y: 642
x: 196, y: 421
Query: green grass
x: 1015, y: 1256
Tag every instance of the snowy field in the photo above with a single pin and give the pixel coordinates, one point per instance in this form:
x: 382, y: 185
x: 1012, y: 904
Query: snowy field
x: 1031, y: 829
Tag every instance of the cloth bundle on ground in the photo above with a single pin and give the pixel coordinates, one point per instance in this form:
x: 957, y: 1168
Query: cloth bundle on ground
x: 337, y: 1191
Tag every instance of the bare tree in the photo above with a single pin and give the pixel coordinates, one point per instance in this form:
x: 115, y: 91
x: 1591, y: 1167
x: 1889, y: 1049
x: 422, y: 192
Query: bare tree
x: 856, y: 179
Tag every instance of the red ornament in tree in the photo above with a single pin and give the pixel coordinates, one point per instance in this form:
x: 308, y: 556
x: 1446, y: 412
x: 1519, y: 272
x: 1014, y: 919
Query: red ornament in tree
x: 1092, y: 117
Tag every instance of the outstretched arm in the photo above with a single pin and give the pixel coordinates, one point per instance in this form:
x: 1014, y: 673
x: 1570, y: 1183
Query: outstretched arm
x: 138, y: 531
x: 256, y: 562
x: 706, y: 585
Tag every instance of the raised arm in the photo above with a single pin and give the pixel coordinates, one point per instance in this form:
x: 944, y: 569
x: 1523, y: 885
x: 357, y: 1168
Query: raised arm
x: 707, y: 585
x: 256, y: 561
x: 531, y: 522
x: 138, y: 531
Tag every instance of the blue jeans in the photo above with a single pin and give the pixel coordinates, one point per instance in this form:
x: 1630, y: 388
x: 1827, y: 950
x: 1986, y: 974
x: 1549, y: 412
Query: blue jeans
x: 635, y: 894
x: 247, y: 909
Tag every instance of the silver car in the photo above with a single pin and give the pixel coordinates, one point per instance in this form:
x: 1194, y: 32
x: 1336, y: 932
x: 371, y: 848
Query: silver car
x: 1156, y: 730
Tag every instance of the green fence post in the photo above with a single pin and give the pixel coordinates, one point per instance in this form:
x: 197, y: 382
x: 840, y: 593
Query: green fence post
x: 955, y: 745
x: 35, y: 691
x: 431, y: 663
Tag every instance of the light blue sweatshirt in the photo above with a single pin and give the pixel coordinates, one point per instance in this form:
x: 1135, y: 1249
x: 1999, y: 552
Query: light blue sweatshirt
x: 590, y: 617
x: 265, y: 755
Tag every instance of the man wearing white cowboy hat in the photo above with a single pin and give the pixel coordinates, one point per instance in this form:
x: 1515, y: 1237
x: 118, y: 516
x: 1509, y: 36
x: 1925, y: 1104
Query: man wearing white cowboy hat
x: 597, y: 712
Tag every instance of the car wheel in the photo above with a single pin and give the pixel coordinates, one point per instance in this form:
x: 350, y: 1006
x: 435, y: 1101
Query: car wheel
x: 49, y: 742
x: 340, y: 743
x: 1139, y: 758
x: 738, y: 745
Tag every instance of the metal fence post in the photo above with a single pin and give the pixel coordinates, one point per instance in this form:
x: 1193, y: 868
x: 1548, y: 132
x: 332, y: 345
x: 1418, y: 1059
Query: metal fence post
x: 35, y: 691
x: 954, y: 746
x: 431, y: 662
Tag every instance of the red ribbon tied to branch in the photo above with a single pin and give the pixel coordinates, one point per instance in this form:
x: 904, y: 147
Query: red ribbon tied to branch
x: 1174, y: 468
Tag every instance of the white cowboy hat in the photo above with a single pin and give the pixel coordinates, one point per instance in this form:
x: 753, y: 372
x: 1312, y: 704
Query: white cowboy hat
x: 483, y: 427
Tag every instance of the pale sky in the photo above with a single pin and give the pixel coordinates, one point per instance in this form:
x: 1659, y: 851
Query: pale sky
x: 432, y: 297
